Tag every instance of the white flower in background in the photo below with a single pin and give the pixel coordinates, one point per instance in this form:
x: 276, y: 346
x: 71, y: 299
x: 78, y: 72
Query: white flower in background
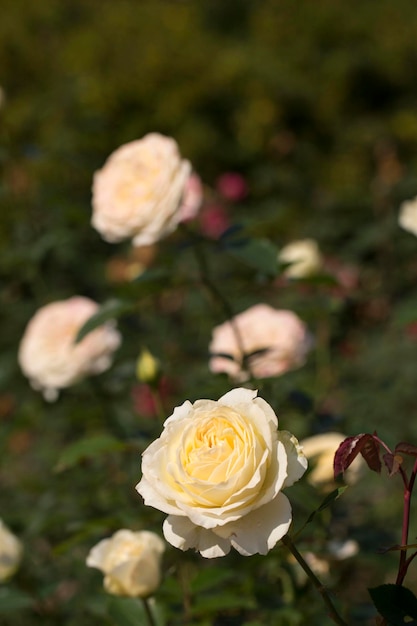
x: 11, y: 551
x: 320, y: 451
x: 130, y: 562
x: 303, y: 256
x: 218, y: 470
x: 407, y: 218
x: 273, y: 341
x: 48, y: 354
x: 138, y: 192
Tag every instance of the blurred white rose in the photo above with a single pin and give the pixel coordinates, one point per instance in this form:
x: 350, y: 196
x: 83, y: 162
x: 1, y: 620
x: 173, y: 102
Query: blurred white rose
x: 11, y: 551
x: 320, y: 451
x: 138, y: 192
x: 130, y: 562
x: 407, y: 218
x: 273, y: 341
x: 218, y: 470
x: 48, y: 354
x: 192, y: 198
x: 303, y: 256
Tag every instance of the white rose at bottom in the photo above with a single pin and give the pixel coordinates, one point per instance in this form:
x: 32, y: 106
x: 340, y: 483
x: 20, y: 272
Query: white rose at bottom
x: 11, y: 551
x: 218, y: 470
x: 130, y: 562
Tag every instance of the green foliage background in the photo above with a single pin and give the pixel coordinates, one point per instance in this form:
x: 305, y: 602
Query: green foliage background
x: 315, y: 104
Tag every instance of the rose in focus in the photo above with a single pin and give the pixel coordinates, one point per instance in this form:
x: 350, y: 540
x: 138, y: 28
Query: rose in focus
x: 138, y: 192
x: 261, y: 341
x: 130, y: 562
x: 218, y: 470
x: 11, y: 551
x: 48, y: 354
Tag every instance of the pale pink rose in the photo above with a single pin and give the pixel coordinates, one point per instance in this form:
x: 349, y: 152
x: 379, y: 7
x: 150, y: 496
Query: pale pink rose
x: 137, y: 194
x: 218, y: 470
x: 192, y: 198
x: 232, y: 186
x: 48, y: 354
x: 272, y: 340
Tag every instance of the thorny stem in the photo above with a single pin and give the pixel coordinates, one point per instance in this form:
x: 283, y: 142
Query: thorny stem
x: 149, y: 614
x: 332, y: 611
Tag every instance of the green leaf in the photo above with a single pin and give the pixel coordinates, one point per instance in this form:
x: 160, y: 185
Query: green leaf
x: 396, y: 604
x: 260, y: 254
x: 88, y: 447
x: 328, y: 500
x: 110, y: 310
x: 131, y: 612
x: 13, y: 600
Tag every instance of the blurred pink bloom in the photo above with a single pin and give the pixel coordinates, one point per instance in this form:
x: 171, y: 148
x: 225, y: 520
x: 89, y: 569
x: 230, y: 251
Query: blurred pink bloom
x: 214, y: 221
x: 192, y: 198
x: 144, y: 401
x: 232, y: 186
x: 273, y: 341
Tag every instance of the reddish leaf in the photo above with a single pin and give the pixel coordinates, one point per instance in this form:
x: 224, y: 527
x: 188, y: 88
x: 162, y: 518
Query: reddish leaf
x: 392, y: 462
x: 349, y: 449
x: 405, y: 448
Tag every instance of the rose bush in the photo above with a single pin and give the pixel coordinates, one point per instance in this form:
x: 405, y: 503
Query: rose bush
x: 262, y: 341
x: 138, y: 192
x: 11, y: 551
x: 218, y: 470
x: 48, y: 354
x: 130, y: 562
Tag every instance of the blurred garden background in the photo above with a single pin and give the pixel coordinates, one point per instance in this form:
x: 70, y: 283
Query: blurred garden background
x: 309, y: 111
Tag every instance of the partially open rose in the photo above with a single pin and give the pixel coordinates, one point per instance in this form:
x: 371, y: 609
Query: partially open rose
x: 137, y: 194
x: 218, y: 470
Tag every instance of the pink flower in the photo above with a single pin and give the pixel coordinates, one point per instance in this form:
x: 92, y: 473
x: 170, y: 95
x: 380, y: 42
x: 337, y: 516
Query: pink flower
x: 214, y: 221
x: 192, y: 198
x: 264, y: 340
x: 138, y: 191
x: 232, y: 186
x: 48, y: 354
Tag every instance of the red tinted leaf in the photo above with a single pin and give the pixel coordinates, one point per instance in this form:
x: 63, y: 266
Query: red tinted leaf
x: 405, y: 448
x: 349, y: 449
x: 392, y: 462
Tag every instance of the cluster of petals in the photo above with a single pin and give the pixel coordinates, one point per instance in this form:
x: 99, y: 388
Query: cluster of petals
x: 48, y: 353
x: 130, y: 562
x: 407, y: 218
x: 11, y: 551
x: 303, y: 258
x: 218, y: 470
x: 138, y: 192
x: 261, y: 341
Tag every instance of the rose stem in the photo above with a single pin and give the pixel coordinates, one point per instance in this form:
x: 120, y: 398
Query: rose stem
x: 333, y: 614
x: 217, y: 295
x: 404, y: 563
x: 149, y: 615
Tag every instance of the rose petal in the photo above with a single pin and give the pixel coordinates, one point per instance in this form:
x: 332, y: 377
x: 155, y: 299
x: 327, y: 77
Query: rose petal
x: 260, y: 530
x: 297, y: 461
x: 183, y: 534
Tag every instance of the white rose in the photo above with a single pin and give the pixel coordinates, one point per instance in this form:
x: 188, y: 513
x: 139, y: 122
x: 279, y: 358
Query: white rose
x: 218, y: 470
x: 303, y: 256
x: 11, y: 551
x: 130, y: 562
x: 407, y: 218
x: 320, y: 451
x: 273, y: 342
x: 137, y: 194
x: 48, y: 354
